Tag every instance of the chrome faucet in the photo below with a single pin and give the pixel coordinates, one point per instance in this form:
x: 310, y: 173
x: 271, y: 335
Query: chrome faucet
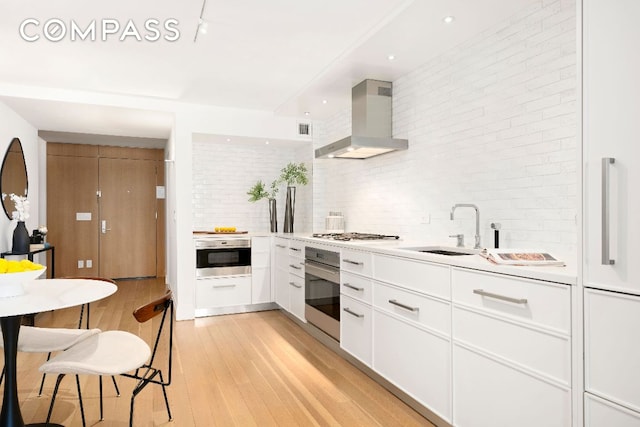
x: 469, y: 205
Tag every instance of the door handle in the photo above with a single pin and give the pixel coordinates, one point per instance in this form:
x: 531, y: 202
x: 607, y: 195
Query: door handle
x: 606, y: 211
x: 103, y: 227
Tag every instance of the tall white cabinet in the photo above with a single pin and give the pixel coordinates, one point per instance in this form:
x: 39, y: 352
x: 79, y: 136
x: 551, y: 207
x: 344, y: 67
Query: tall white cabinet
x: 611, y: 138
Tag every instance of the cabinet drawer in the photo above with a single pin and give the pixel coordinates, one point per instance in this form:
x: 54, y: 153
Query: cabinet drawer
x: 281, y: 253
x: 416, y: 361
x: 356, y: 262
x: 488, y: 393
x: 431, y: 279
x: 296, y: 248
x: 540, y: 303
x: 612, y: 346
x: 602, y: 413
x: 355, y: 328
x: 549, y: 354
x: 296, y: 266
x: 418, y: 309
x: 223, y: 291
x: 296, y: 296
x: 357, y: 287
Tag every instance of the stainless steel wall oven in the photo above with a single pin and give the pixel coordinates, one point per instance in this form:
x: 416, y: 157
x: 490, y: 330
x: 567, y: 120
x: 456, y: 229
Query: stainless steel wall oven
x: 223, y: 257
x: 322, y: 290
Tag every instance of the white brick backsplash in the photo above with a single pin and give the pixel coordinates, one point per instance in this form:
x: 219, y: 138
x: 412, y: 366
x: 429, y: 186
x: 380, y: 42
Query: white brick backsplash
x: 491, y: 122
x: 222, y: 175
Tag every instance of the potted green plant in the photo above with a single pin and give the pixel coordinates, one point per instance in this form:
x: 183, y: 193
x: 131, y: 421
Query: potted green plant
x: 258, y: 192
x: 293, y: 174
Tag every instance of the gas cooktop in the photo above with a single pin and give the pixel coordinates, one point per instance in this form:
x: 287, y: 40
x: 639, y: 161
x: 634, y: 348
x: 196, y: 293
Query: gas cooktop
x: 353, y: 236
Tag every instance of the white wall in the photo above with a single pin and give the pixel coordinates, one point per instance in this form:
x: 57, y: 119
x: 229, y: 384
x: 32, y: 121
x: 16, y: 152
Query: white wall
x: 14, y: 126
x: 223, y: 172
x: 492, y: 122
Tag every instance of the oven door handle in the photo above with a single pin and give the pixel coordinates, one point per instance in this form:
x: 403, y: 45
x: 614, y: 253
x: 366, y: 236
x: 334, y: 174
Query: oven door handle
x: 322, y: 272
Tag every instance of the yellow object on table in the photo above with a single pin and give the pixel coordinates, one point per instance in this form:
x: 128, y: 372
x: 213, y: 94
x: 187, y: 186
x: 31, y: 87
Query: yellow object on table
x: 14, y: 266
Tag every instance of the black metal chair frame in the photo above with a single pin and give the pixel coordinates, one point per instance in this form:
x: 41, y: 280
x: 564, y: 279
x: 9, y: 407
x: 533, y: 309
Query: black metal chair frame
x: 146, y: 374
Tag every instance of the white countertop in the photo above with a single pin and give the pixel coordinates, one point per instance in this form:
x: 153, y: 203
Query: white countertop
x: 566, y: 274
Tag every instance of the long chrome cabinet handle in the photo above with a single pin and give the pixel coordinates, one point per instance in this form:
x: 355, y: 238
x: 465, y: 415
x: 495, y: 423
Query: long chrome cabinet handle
x: 353, y: 262
x: 294, y: 285
x: 606, y: 211
x: 401, y: 305
x: 224, y: 286
x: 353, y: 313
x: 355, y: 288
x: 281, y: 246
x: 295, y: 266
x: 500, y: 297
x: 295, y: 249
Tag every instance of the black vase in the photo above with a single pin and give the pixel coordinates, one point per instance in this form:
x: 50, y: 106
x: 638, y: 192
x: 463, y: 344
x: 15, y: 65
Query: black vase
x: 21, y: 240
x: 273, y: 216
x: 289, y: 209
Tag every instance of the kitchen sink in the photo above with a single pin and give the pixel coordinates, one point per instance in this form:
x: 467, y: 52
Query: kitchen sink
x: 443, y: 250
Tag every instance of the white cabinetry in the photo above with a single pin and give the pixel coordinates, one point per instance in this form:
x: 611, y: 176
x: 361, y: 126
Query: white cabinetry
x: 511, y: 351
x: 261, y: 270
x: 356, y: 314
x: 289, y: 275
x: 281, y: 271
x: 611, y: 129
x: 612, y: 347
x: 224, y: 291
x: 412, y: 329
x: 296, y: 279
x: 611, y: 126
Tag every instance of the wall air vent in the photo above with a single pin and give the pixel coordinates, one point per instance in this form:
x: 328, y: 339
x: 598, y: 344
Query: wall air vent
x: 304, y: 129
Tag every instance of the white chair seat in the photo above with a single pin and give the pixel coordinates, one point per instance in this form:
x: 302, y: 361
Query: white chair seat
x: 106, y: 353
x: 48, y: 340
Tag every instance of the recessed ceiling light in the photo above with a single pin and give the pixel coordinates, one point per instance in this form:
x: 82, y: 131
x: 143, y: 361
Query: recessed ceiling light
x: 324, y: 101
x: 306, y: 113
x: 228, y: 139
x: 391, y: 57
x: 331, y: 156
x: 266, y: 142
x: 203, y: 26
x: 449, y: 19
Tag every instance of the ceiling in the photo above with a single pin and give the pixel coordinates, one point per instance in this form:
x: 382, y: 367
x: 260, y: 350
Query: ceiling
x: 284, y: 56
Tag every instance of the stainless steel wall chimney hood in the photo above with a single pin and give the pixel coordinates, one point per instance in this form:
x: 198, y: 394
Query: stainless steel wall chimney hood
x: 371, y: 125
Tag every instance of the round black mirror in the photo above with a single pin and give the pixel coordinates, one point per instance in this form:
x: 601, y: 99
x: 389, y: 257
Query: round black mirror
x: 13, y: 176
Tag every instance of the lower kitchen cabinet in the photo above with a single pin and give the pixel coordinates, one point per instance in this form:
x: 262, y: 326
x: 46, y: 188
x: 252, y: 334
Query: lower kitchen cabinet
x: 281, y: 272
x: 602, y: 413
x: 491, y: 393
x: 227, y: 291
x: 511, y: 351
x: 415, y: 360
x: 355, y: 328
x: 612, y: 347
x: 296, y: 296
x: 260, y: 270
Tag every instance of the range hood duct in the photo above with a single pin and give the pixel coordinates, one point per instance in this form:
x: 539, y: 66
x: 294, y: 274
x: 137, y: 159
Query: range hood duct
x: 371, y: 125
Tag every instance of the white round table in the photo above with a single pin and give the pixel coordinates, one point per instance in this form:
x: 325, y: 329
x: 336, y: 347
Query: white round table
x: 39, y: 295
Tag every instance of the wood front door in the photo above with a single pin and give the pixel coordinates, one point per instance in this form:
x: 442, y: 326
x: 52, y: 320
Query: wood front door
x: 127, y: 218
x: 88, y: 184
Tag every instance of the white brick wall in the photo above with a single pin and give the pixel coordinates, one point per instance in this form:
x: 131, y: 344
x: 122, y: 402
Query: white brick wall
x: 222, y: 175
x: 492, y: 122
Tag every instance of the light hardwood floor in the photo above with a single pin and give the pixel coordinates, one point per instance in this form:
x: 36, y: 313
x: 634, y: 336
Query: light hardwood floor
x: 254, y: 369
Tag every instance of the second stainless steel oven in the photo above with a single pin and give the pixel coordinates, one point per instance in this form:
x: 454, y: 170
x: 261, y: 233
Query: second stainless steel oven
x: 322, y: 290
x: 223, y: 257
